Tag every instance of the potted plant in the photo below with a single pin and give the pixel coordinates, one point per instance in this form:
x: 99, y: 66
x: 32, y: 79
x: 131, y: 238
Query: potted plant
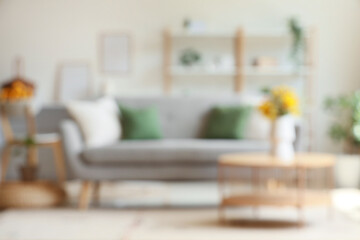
x: 280, y: 106
x: 298, y: 41
x: 29, y: 170
x: 345, y: 130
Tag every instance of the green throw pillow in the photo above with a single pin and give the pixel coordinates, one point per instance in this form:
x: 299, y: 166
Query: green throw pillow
x: 141, y: 123
x: 227, y: 122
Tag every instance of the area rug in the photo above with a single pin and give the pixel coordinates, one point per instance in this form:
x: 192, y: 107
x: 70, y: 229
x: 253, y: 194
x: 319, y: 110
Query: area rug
x: 165, y: 212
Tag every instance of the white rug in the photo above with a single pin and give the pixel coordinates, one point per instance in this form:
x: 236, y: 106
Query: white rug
x: 145, y: 220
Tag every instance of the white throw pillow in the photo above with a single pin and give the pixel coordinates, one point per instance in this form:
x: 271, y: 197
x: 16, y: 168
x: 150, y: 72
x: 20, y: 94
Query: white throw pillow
x: 98, y: 120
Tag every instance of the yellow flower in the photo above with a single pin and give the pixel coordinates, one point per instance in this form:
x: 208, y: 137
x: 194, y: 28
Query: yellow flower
x: 268, y: 109
x: 282, y: 100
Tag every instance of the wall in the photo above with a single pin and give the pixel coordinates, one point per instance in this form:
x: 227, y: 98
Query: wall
x: 48, y: 32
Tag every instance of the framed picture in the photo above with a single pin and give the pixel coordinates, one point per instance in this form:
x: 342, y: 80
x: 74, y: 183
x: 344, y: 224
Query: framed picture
x: 73, y: 81
x: 115, y: 51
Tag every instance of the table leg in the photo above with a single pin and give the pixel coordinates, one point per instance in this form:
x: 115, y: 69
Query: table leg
x: 6, y: 152
x: 330, y: 179
x: 256, y: 190
x: 221, y: 210
x: 301, y: 185
x: 59, y: 162
x: 96, y: 193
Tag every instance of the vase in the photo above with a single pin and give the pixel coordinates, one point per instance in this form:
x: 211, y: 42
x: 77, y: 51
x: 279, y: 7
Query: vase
x: 282, y: 138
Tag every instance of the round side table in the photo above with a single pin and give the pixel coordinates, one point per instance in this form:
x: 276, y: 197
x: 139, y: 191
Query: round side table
x: 259, y: 179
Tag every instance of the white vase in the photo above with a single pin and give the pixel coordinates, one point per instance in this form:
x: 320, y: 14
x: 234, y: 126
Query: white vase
x: 282, y: 138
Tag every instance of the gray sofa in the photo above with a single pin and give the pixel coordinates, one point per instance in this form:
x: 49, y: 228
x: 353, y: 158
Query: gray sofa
x: 181, y: 155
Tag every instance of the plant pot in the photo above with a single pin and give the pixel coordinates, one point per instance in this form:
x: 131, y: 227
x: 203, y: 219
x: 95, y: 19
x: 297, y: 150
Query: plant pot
x: 347, y: 171
x: 282, y: 138
x: 28, y: 173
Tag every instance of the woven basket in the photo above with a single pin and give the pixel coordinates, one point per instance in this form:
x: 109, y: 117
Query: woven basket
x: 39, y: 194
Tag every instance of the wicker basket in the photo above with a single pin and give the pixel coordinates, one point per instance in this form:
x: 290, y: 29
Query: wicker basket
x: 39, y: 194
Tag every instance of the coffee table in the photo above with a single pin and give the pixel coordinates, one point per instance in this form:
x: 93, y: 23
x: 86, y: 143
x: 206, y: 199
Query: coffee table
x: 259, y: 179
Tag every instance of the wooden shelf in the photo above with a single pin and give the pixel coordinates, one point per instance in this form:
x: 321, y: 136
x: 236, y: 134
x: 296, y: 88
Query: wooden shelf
x: 285, y: 71
x: 248, y: 71
x: 202, y: 35
x: 201, y: 71
x: 251, y: 33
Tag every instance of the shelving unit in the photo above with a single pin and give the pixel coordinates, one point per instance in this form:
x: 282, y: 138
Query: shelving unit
x: 242, y: 68
x: 169, y: 70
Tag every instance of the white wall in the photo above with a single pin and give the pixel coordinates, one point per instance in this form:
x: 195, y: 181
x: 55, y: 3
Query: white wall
x: 48, y: 32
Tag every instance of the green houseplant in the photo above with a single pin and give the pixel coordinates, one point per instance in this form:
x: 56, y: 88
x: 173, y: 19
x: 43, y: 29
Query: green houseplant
x: 298, y: 41
x: 27, y: 172
x: 345, y: 130
x: 345, y: 126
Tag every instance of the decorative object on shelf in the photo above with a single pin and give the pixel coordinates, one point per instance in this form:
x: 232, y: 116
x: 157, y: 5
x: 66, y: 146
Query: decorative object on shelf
x: 193, y: 26
x: 222, y: 63
x: 115, y: 49
x: 281, y: 104
x: 265, y: 62
x: 16, y: 92
x: 298, y: 41
x: 73, y: 82
x: 189, y: 57
x: 346, y: 132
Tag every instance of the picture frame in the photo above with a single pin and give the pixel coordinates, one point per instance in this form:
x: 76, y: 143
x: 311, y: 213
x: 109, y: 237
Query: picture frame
x: 73, y: 81
x: 115, y: 53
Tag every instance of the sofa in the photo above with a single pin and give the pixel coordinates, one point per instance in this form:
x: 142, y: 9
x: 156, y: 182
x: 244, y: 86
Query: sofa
x: 182, y: 154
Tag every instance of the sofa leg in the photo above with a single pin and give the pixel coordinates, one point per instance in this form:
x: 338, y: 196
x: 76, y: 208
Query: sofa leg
x: 96, y: 193
x: 84, y: 195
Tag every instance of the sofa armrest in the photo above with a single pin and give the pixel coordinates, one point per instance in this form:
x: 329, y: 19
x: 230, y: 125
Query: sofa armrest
x: 73, y: 145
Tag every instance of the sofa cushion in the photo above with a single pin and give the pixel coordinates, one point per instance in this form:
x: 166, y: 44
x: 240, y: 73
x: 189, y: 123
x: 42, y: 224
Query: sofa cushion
x: 98, y: 120
x: 227, y: 122
x: 169, y: 151
x: 140, y: 123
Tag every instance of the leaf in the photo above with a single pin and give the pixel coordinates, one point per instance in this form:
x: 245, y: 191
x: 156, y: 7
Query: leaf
x: 29, y: 141
x: 329, y: 103
x: 337, y: 132
x: 356, y: 132
x: 266, y: 90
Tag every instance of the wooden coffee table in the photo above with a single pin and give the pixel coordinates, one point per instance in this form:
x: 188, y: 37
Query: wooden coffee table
x: 259, y: 179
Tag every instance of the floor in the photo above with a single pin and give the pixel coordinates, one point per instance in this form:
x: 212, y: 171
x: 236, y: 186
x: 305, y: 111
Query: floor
x: 178, y: 211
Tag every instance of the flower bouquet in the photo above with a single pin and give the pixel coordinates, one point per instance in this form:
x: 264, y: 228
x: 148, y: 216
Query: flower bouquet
x: 280, y: 107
